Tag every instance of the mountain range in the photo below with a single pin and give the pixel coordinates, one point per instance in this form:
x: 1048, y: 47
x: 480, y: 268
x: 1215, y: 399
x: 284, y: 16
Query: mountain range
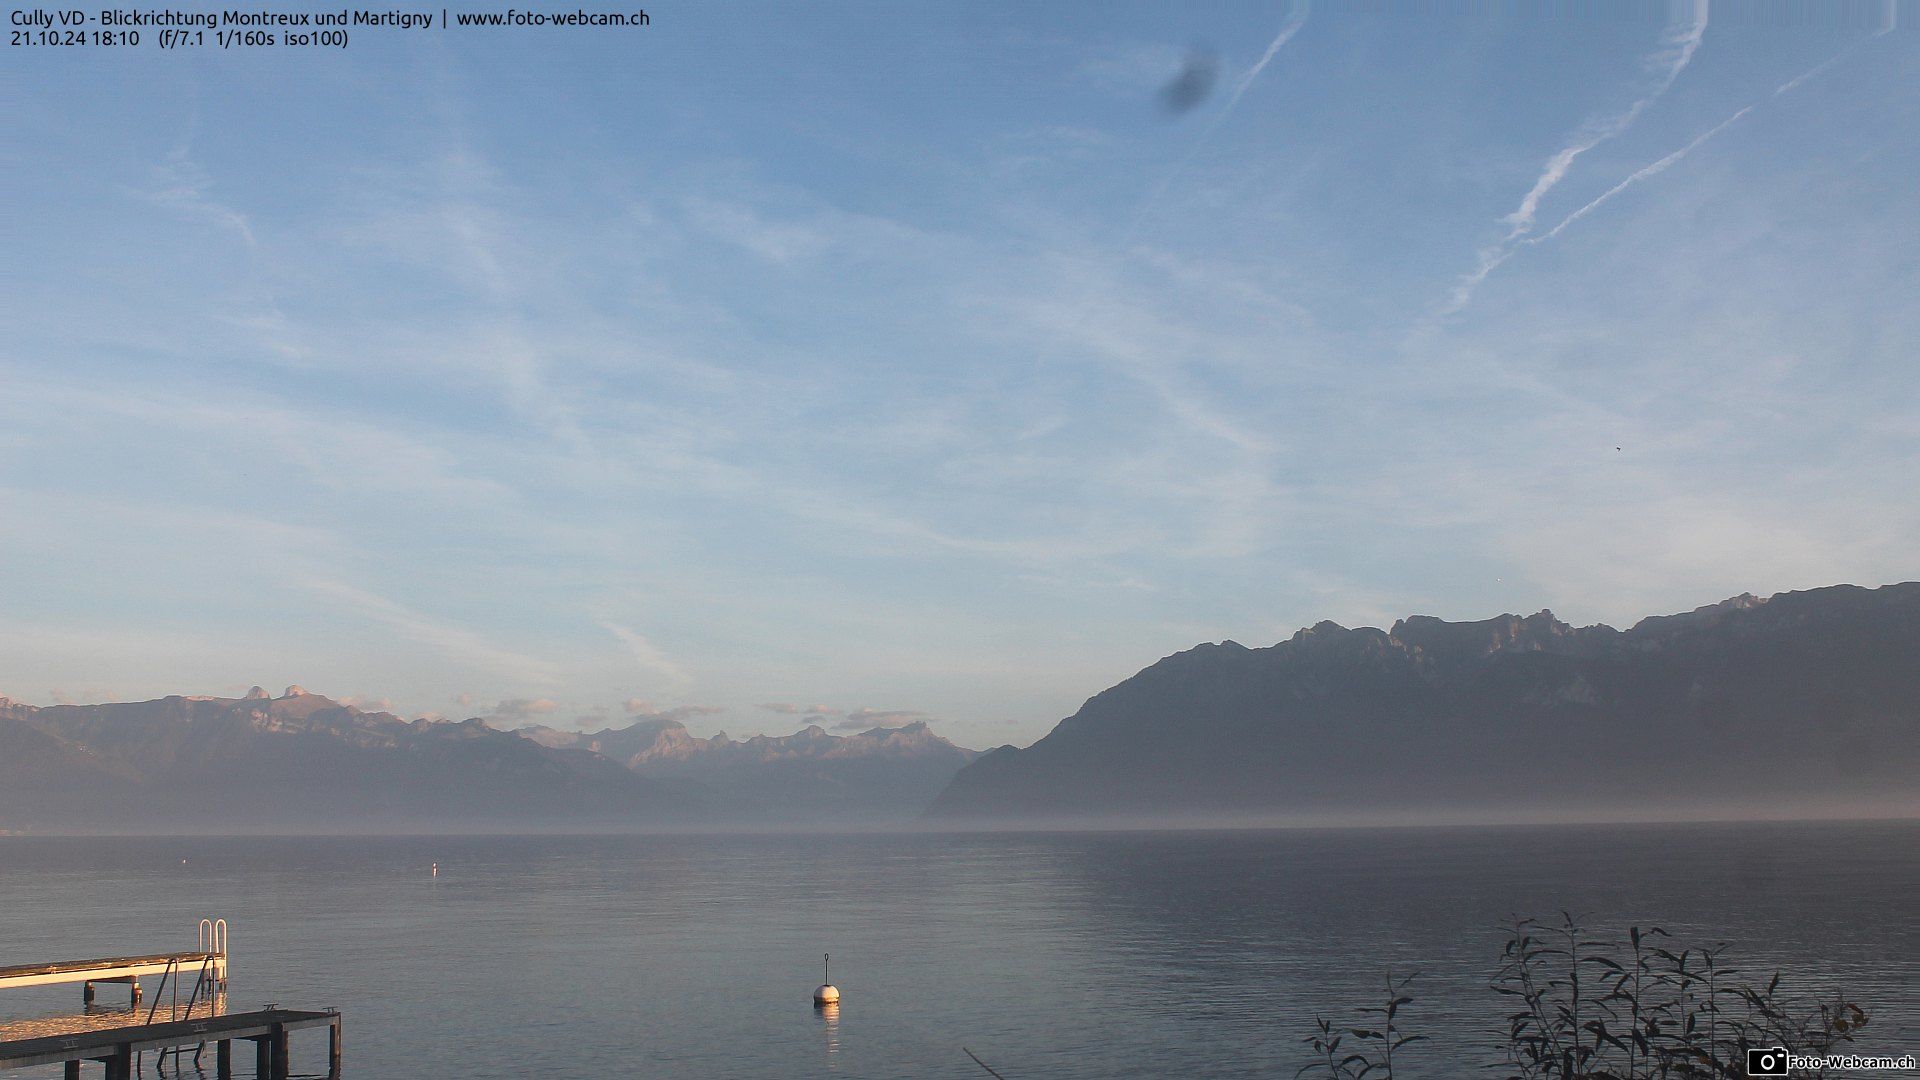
x: 1801, y: 704
x: 878, y: 775
x: 304, y: 762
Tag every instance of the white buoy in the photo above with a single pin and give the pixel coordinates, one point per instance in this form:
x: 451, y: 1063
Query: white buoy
x: 826, y: 993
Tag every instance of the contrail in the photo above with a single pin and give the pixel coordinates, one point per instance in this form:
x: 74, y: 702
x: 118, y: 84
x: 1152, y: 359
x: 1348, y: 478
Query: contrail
x: 1681, y: 47
x: 1654, y: 169
x: 1817, y: 68
x: 1664, y: 163
x: 1239, y: 88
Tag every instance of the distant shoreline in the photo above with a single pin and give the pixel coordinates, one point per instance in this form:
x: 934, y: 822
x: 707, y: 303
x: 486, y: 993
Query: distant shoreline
x: 1037, y: 829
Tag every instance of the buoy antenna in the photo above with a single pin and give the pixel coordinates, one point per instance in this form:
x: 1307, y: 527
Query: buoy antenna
x: 826, y: 967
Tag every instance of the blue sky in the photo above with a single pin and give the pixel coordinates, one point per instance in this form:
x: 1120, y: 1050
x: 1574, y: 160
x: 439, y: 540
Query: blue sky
x: 915, y: 359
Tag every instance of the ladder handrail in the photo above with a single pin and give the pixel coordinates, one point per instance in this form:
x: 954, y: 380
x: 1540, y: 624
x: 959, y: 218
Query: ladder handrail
x: 203, y: 979
x: 213, y: 942
x: 155, y: 1007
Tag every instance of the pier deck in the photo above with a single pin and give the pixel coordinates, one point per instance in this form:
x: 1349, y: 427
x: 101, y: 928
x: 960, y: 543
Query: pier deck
x: 115, y: 1047
x: 112, y: 968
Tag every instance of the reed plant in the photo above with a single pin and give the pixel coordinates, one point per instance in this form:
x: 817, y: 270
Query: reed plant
x: 1582, y: 1007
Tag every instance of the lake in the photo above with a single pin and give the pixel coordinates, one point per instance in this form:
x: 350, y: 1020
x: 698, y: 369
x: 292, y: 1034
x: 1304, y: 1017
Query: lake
x: 1048, y: 955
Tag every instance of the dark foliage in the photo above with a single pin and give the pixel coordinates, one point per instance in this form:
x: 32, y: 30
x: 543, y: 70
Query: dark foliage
x: 1587, y: 1008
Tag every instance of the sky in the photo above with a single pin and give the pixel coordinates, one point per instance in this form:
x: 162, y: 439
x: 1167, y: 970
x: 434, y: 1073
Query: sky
x: 872, y: 362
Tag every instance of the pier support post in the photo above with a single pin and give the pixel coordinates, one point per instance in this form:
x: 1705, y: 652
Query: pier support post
x: 263, y: 1057
x: 333, y: 1049
x: 120, y: 1065
x: 86, y: 993
x: 135, y: 984
x: 73, y: 1069
x: 223, y: 1059
x: 279, y: 1040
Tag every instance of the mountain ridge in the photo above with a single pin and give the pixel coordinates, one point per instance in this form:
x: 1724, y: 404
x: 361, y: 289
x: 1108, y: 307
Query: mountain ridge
x: 301, y: 759
x: 1507, y: 717
x: 880, y: 770
x: 306, y: 762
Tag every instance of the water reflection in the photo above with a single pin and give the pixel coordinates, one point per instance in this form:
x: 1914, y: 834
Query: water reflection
x: 178, y: 1062
x: 97, y: 1017
x: 830, y: 1019
x: 1253, y: 933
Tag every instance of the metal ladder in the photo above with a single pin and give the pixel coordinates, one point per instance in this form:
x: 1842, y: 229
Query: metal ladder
x: 210, y: 979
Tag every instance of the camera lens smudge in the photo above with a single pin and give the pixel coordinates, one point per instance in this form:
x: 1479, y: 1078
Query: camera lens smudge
x: 1193, y: 83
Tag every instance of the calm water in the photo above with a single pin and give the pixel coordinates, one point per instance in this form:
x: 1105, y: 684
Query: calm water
x: 1047, y: 955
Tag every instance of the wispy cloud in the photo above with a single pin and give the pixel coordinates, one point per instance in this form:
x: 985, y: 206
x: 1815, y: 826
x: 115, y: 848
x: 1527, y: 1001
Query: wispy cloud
x: 649, y: 656
x: 518, y: 710
x: 641, y: 709
x: 184, y: 187
x: 776, y: 242
x: 789, y: 708
x: 453, y: 641
x: 865, y: 719
x: 373, y: 704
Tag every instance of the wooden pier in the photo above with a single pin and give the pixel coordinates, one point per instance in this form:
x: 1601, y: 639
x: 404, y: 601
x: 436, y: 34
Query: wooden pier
x: 207, y: 964
x: 120, y: 969
x: 116, y: 1047
x: 119, y: 1040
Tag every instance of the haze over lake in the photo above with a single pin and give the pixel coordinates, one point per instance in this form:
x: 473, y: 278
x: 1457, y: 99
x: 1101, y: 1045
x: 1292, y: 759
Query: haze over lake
x: 1057, y: 955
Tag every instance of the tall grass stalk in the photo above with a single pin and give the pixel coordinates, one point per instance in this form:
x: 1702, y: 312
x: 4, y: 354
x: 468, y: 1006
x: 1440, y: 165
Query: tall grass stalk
x: 1582, y: 1007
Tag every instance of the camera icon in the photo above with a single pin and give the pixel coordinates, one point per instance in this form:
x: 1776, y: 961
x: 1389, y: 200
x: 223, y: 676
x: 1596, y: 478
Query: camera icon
x: 1769, y: 1061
